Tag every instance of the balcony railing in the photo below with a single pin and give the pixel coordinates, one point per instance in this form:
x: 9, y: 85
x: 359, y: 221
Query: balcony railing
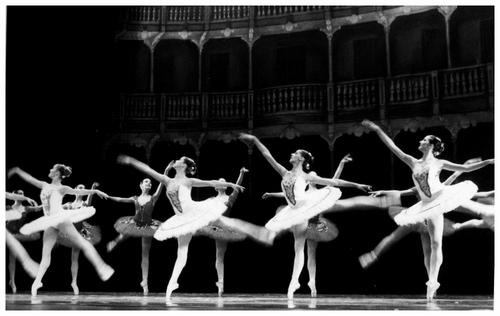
x: 182, y: 14
x: 218, y: 13
x: 269, y: 10
x: 416, y: 92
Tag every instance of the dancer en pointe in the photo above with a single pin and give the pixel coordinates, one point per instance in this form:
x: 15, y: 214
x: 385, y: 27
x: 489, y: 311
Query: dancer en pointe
x: 190, y: 215
x: 449, y: 227
x: 224, y: 230
x: 435, y: 197
x: 90, y: 233
x: 140, y: 225
x: 319, y: 229
x: 56, y: 220
x: 18, y: 213
x: 301, y: 205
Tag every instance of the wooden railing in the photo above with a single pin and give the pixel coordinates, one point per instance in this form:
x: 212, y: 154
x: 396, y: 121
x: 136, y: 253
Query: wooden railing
x: 347, y: 97
x: 229, y: 12
x: 269, y: 10
x: 299, y: 98
x: 144, y: 14
x: 182, y: 14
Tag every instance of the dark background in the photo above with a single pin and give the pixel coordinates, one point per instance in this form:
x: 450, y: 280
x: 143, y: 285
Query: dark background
x: 61, y: 87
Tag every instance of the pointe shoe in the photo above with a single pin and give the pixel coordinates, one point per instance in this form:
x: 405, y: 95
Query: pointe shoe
x: 312, y: 286
x: 367, y: 259
x: 291, y: 289
x: 432, y: 287
x: 106, y: 272
x: 13, y: 286
x: 110, y: 246
x: 34, y: 288
x: 76, y: 290
x: 170, y: 289
x: 220, y: 286
x: 145, y: 288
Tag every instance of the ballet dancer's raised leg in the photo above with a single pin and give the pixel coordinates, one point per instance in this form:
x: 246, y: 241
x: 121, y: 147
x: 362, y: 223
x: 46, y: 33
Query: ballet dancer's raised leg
x: 17, y: 250
x: 385, y: 244
x: 112, y: 244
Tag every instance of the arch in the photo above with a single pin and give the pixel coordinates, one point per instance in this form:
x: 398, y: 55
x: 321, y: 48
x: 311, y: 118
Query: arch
x: 293, y: 58
x: 225, y: 65
x: 418, y: 43
x: 359, y: 52
x: 133, y: 66
x: 176, y: 66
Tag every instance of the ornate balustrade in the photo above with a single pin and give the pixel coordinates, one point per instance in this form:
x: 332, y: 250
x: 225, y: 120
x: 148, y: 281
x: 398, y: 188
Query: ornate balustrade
x: 144, y: 14
x: 182, y: 14
x: 268, y: 10
x: 416, y: 94
x: 218, y: 13
x: 299, y: 98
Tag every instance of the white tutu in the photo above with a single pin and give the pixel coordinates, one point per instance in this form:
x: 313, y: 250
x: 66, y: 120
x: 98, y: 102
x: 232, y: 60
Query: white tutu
x: 195, y: 215
x: 12, y: 215
x: 443, y: 201
x: 53, y: 220
x: 310, y: 205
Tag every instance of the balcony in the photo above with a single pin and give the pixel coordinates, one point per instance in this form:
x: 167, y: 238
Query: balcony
x: 451, y: 91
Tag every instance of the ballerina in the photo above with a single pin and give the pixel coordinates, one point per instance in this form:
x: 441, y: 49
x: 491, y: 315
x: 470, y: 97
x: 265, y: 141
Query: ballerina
x: 90, y: 233
x: 18, y: 213
x: 302, y: 205
x: 141, y: 225
x: 223, y: 231
x: 319, y: 229
x: 56, y: 220
x: 435, y: 197
x: 190, y: 215
x: 483, y: 207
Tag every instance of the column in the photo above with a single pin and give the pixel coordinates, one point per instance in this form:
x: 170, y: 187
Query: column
x: 151, y: 68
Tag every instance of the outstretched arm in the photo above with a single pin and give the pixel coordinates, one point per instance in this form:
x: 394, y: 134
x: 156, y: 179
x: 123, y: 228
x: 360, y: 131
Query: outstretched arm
x: 265, y: 152
x: 25, y: 176
x: 337, y: 182
x: 347, y: 158
x: 214, y: 183
x: 127, y: 160
x: 486, y: 194
x: 19, y: 197
x: 409, y: 160
x: 273, y: 194
x: 156, y: 195
x: 68, y: 190
x: 121, y: 199
x: 466, y: 167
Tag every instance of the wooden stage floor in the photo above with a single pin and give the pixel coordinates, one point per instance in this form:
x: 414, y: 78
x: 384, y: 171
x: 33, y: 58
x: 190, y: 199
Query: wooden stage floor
x: 181, y: 301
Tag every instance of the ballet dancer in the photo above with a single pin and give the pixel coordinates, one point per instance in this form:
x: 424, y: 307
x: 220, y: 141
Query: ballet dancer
x: 140, y: 225
x: 190, y: 215
x: 90, y: 233
x: 435, y: 197
x: 302, y: 205
x: 223, y: 233
x: 16, y: 249
x: 483, y: 207
x: 56, y: 219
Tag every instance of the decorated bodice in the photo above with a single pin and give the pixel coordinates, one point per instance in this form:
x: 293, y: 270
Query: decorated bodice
x: 51, y: 199
x: 426, y: 178
x: 178, y: 194
x: 293, y: 186
x: 143, y: 212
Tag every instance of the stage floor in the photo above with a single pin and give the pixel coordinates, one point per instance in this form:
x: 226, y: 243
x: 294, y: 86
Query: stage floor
x: 180, y: 301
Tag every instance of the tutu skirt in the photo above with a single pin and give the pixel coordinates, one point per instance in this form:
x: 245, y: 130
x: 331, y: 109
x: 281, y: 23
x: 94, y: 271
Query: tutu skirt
x: 312, y: 204
x: 195, y: 215
x: 219, y: 231
x: 129, y: 227
x: 90, y: 233
x: 443, y: 201
x: 12, y: 215
x: 321, y: 231
x: 53, y: 220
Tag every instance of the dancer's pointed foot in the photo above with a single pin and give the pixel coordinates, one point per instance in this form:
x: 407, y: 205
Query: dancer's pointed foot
x: 13, y: 286
x: 145, y: 288
x: 76, y: 290
x: 220, y: 286
x: 34, y: 287
x: 111, y: 245
x: 367, y: 259
x: 106, y: 272
x: 170, y: 289
x: 312, y: 286
x: 432, y: 287
x: 294, y: 286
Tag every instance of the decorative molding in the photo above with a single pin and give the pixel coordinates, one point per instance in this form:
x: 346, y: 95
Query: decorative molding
x: 447, y: 11
x: 290, y: 132
x: 227, y: 32
x: 289, y: 26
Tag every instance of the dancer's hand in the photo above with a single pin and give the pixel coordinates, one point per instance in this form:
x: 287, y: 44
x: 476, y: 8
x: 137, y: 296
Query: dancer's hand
x: 370, y: 125
x: 244, y: 170
x: 31, y: 202
x: 378, y: 193
x: 347, y: 158
x: 237, y: 187
x: 170, y: 166
x: 364, y: 187
x: 247, y: 137
x: 102, y: 194
x: 12, y: 171
x: 265, y: 196
x: 124, y: 159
